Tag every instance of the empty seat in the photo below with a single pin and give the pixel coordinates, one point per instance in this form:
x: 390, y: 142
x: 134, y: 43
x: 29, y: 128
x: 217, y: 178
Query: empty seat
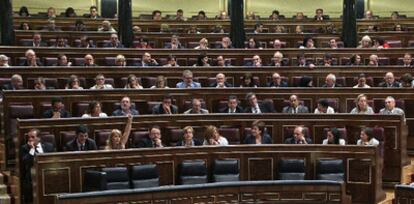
x: 231, y: 134
x: 176, y: 134
x: 193, y: 172
x: 116, y: 178
x: 226, y: 170
x: 137, y: 136
x: 21, y: 112
x: 145, y: 176
x: 110, y: 61
x: 94, y: 181
x: 49, y: 61
x: 332, y: 169
x: 394, y: 43
x: 291, y: 169
x: 101, y: 137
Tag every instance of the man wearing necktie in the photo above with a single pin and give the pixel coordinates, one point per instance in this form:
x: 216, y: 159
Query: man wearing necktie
x: 232, y: 106
x: 27, y: 152
x: 81, y: 142
x: 298, y: 136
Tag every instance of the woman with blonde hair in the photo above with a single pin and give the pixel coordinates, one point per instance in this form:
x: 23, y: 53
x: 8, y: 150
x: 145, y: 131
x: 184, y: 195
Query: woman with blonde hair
x: 117, y: 139
x: 188, y: 138
x: 213, y: 137
x: 133, y: 83
x: 362, y: 106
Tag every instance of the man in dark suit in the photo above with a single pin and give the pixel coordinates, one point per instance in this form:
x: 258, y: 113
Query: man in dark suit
x: 330, y: 81
x: 114, y: 42
x: 27, y: 152
x: 389, y: 81
x: 232, y: 106
x: 57, y: 110
x: 277, y: 81
x: 37, y: 40
x: 174, y: 44
x: 166, y: 106
x: 221, y: 82
x: 154, y: 139
x: 31, y: 59
x: 295, y: 106
x: 126, y: 108
x: 255, y: 107
x: 16, y: 83
x: 298, y: 137
x: 81, y: 142
x: 147, y: 61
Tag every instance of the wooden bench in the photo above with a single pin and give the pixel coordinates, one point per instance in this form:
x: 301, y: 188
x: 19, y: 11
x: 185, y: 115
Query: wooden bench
x: 404, y: 194
x: 300, y: 192
x: 362, y: 166
x: 390, y: 130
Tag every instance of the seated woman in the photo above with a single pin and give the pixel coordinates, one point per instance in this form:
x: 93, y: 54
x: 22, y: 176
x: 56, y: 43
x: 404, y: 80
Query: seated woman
x: 258, y: 134
x: 333, y: 137
x: 73, y: 83
x: 95, y: 110
x: 367, y: 138
x: 213, y: 137
x: 362, y: 106
x: 117, y: 140
x: 202, y: 61
x: 188, y: 139
x: 160, y: 83
x: 247, y: 81
x: 133, y: 83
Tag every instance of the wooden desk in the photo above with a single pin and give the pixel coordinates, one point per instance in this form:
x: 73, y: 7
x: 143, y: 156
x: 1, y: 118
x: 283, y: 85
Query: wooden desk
x: 362, y: 166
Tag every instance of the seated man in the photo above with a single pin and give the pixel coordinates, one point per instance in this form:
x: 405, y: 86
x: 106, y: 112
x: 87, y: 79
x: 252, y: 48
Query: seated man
x: 330, y: 81
x: 106, y: 26
x: 295, y: 106
x: 407, y: 60
x: 389, y: 81
x: 114, y: 42
x: 27, y: 152
x: 255, y: 107
x: 147, y: 61
x: 323, y: 107
x: 81, y: 142
x: 390, y: 108
x: 100, y: 83
x: 196, y: 108
x: 126, y: 108
x: 4, y: 61
x: 37, y: 40
x: 221, y: 82
x: 232, y: 106
x: 298, y: 137
x: 93, y: 12
x: 165, y: 107
x: 256, y: 61
x: 31, y: 59
x: 57, y: 110
x: 277, y: 60
x: 154, y: 139
x: 188, y: 81
x: 16, y: 83
x: 89, y: 61
x: 277, y: 81
x: 277, y: 44
x: 174, y: 44
x: 226, y: 43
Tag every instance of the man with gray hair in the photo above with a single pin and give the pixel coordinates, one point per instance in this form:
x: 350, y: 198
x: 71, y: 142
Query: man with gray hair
x: 390, y: 108
x: 196, y: 108
x: 31, y: 59
x: 330, y: 81
x: 4, y: 61
x: 16, y: 83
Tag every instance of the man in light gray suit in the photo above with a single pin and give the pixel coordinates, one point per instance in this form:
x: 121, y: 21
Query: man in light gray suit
x: 295, y: 106
x: 390, y: 108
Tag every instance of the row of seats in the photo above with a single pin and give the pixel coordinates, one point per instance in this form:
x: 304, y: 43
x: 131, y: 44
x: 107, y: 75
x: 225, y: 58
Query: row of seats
x: 214, y: 44
x: 110, y: 61
x: 196, y: 172
x: 172, y: 135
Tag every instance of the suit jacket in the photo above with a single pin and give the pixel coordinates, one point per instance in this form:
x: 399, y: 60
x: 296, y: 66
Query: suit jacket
x: 282, y: 84
x: 63, y: 113
x: 291, y: 140
x: 264, y: 108
x: 109, y: 45
x: 250, y: 139
x: 26, y: 63
x: 226, y: 110
x: 73, y: 145
x: 225, y: 84
x: 158, y: 109
x: 300, y: 109
x: 195, y: 141
x: 8, y: 86
x: 146, y: 142
x: 179, y: 46
x: 182, y: 85
x: 151, y: 64
x: 336, y: 85
x: 119, y: 112
x: 394, y: 84
x: 27, y: 159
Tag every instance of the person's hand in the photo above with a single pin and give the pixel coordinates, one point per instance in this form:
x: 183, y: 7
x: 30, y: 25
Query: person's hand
x: 31, y: 144
x: 33, y: 62
x: 167, y: 109
x: 158, y: 142
x: 130, y: 117
x: 213, y: 142
x: 56, y: 114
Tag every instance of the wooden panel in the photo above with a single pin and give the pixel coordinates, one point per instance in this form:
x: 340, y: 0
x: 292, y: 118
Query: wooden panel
x: 52, y: 177
x: 256, y: 166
